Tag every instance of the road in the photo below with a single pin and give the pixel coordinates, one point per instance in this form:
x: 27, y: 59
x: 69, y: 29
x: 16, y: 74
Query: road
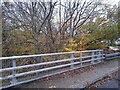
x: 114, y: 83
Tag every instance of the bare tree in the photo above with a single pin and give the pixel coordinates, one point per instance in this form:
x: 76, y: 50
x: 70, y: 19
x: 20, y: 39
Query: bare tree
x: 39, y: 18
x: 31, y: 16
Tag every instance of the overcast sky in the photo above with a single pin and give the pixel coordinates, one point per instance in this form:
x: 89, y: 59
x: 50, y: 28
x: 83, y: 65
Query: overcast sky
x: 111, y: 1
x: 106, y: 1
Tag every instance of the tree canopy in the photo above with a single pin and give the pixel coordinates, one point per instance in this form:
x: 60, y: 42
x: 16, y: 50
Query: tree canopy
x: 41, y: 27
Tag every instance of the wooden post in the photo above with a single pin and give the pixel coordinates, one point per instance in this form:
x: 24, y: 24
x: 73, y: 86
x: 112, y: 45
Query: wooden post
x: 72, y: 61
x: 81, y: 59
x: 14, y: 72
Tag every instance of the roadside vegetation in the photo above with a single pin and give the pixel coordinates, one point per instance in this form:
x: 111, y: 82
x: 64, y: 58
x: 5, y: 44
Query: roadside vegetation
x: 44, y: 27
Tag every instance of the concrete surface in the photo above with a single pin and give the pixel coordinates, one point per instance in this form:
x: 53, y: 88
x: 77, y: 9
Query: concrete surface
x: 79, y: 80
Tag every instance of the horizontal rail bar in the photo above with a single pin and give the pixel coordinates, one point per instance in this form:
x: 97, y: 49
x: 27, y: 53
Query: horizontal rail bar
x: 113, y: 54
x: 93, y: 59
x: 107, y: 56
x: 45, y: 69
x: 38, y: 64
x: 18, y: 83
x: 49, y: 54
x: 36, y: 71
x: 112, y: 57
x: 91, y: 56
x: 45, y: 63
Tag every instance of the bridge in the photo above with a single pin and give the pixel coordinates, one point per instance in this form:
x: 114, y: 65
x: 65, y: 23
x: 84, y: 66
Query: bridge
x: 19, y: 70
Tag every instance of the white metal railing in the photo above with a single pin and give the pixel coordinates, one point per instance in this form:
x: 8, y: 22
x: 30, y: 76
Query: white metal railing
x: 49, y: 54
x: 112, y: 55
x: 85, y: 58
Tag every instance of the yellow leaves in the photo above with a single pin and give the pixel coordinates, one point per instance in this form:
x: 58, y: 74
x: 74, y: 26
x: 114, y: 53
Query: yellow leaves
x: 71, y: 40
x: 68, y: 49
x: 71, y: 46
x: 97, y: 46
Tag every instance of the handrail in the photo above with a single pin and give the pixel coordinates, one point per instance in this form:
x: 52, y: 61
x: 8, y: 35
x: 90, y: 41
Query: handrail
x: 72, y: 62
x: 44, y: 63
x: 45, y: 69
x: 48, y: 54
x: 38, y: 64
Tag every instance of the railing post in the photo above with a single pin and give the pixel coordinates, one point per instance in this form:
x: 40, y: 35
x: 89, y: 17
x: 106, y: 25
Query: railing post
x: 14, y: 72
x: 102, y: 56
x: 81, y: 59
x: 39, y: 59
x: 93, y: 53
x: 99, y: 56
x: 72, y: 61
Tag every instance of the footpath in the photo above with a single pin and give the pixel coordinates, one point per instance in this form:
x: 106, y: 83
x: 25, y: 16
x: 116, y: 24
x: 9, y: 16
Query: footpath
x: 78, y: 80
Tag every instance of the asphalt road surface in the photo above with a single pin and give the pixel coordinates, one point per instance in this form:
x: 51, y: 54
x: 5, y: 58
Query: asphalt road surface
x: 114, y: 83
